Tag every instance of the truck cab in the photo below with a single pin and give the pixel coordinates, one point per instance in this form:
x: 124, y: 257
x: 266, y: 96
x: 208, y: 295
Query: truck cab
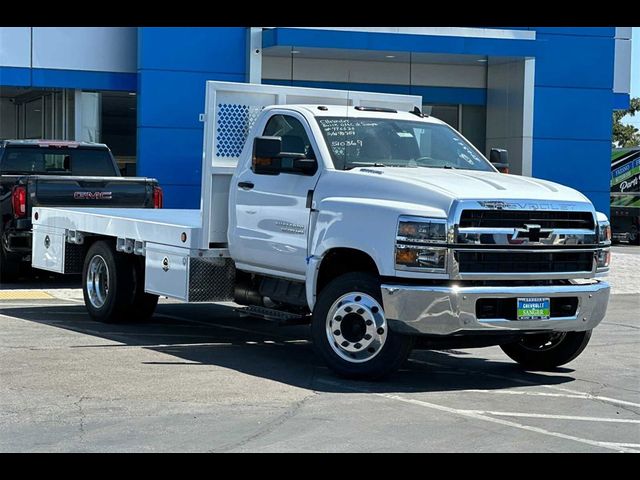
x: 382, y: 228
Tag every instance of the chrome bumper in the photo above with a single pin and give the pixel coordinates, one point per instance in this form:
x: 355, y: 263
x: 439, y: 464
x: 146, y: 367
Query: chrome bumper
x: 449, y: 310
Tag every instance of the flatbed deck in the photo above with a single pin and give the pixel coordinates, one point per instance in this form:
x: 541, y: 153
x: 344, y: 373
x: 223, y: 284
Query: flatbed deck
x: 159, y: 226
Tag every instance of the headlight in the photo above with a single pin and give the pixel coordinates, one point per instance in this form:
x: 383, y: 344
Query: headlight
x: 414, y: 241
x: 604, y: 232
x: 422, y: 230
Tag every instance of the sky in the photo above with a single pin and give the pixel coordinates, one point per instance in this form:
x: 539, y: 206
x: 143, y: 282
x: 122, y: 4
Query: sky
x: 635, y: 74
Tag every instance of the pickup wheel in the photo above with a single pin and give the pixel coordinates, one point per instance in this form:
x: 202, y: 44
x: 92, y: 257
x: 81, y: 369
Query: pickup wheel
x: 634, y: 238
x: 350, y: 331
x: 108, y: 284
x: 548, y: 350
x: 9, y: 268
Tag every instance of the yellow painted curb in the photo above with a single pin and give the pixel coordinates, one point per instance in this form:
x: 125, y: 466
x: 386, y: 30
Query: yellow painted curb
x: 24, y: 295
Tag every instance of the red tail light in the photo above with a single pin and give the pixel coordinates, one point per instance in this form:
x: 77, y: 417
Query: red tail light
x: 19, y: 201
x: 157, y: 197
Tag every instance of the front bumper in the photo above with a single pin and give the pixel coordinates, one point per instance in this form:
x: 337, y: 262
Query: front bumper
x: 431, y: 310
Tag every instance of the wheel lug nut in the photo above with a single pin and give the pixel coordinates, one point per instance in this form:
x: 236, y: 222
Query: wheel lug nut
x: 367, y: 337
x: 360, y: 311
x: 348, y: 309
x: 336, y: 332
x: 369, y: 323
x: 345, y: 344
x: 338, y: 318
x: 357, y: 345
x: 380, y: 331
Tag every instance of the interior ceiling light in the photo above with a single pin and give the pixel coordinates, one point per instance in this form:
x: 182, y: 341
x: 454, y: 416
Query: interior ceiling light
x: 389, y: 56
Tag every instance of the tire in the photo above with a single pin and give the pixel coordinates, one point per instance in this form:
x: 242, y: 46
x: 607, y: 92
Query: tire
x: 108, y: 283
x: 144, y: 304
x: 366, y: 349
x: 634, y: 238
x: 547, y: 351
x: 9, y: 267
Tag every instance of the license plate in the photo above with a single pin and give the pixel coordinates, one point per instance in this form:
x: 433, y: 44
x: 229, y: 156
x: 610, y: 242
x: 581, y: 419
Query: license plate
x: 534, y: 308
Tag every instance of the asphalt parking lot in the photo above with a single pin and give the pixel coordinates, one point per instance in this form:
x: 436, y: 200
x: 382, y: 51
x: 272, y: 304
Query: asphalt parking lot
x: 201, y: 378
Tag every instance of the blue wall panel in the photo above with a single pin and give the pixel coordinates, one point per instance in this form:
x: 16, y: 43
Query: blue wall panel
x: 444, y: 95
x: 579, y: 31
x: 192, y: 49
x: 58, y: 78
x: 177, y: 154
x: 15, y: 76
x: 396, y: 42
x: 173, y: 66
x: 571, y: 61
x: 572, y: 113
x: 181, y: 196
x: 175, y: 99
x: 583, y: 165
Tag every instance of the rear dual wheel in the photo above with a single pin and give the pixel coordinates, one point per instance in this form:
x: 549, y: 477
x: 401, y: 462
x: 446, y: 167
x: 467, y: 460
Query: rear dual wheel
x: 113, y: 286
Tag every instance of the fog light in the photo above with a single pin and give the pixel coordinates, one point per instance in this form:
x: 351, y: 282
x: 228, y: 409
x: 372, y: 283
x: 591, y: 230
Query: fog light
x: 603, y: 258
x: 421, y: 257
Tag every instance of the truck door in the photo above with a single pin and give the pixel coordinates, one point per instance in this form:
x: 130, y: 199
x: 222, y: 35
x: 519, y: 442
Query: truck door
x: 272, y: 215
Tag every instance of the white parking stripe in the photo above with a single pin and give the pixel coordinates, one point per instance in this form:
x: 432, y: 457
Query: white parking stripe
x: 556, y: 417
x: 508, y: 423
x: 485, y: 418
x: 532, y: 394
x: 585, y: 395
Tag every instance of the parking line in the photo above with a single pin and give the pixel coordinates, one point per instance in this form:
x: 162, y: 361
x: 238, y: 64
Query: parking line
x: 585, y: 395
x: 555, y: 417
x: 485, y: 418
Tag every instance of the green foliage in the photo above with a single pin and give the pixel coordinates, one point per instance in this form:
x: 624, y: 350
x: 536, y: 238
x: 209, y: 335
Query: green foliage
x: 626, y: 136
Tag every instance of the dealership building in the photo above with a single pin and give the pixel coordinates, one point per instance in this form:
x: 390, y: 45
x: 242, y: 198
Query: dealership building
x: 544, y: 94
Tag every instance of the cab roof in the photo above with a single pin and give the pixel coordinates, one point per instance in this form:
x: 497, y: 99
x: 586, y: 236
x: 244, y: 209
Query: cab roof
x: 51, y: 143
x: 319, y: 110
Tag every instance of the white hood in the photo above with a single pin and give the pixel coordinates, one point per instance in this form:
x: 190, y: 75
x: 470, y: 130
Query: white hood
x: 437, y: 189
x: 468, y: 184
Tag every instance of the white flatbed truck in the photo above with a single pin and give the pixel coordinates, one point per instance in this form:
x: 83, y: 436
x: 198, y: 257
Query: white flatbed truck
x: 382, y: 228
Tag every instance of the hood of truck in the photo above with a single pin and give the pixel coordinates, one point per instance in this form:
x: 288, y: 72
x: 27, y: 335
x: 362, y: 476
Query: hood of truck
x: 437, y: 189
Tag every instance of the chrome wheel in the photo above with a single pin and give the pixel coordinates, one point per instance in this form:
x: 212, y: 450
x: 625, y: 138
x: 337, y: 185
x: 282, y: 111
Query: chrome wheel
x: 356, y: 327
x: 97, y: 283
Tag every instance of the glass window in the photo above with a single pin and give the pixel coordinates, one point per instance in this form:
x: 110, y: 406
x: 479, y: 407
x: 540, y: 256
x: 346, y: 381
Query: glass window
x: 77, y: 161
x: 386, y: 142
x: 290, y: 129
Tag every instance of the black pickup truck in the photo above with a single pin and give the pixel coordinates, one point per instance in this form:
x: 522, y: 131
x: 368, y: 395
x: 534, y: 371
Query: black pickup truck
x: 58, y: 174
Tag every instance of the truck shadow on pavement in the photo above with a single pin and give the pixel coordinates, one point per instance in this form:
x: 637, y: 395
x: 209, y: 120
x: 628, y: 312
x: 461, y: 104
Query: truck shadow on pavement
x: 206, y: 334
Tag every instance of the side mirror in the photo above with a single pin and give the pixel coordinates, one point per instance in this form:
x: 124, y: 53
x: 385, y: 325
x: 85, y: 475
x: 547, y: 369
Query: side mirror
x: 499, y: 157
x: 266, y: 159
x: 269, y: 159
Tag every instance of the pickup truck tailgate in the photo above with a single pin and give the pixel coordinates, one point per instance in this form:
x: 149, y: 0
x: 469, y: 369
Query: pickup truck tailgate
x: 62, y: 191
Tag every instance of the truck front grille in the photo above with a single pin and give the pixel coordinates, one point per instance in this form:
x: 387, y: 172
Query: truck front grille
x: 523, y: 262
x: 518, y: 218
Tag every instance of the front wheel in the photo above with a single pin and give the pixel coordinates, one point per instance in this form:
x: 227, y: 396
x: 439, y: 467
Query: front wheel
x: 546, y: 351
x: 350, y: 331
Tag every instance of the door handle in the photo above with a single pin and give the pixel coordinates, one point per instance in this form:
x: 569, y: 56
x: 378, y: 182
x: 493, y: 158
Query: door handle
x: 246, y: 185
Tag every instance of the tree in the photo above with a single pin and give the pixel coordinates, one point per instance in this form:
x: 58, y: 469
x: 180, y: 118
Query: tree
x: 626, y: 135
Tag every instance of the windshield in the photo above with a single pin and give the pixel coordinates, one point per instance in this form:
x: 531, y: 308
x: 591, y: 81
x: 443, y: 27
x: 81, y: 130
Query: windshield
x: 381, y: 142
x: 58, y: 161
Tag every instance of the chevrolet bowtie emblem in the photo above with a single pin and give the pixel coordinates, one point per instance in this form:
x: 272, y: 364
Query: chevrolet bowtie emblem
x: 531, y: 232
